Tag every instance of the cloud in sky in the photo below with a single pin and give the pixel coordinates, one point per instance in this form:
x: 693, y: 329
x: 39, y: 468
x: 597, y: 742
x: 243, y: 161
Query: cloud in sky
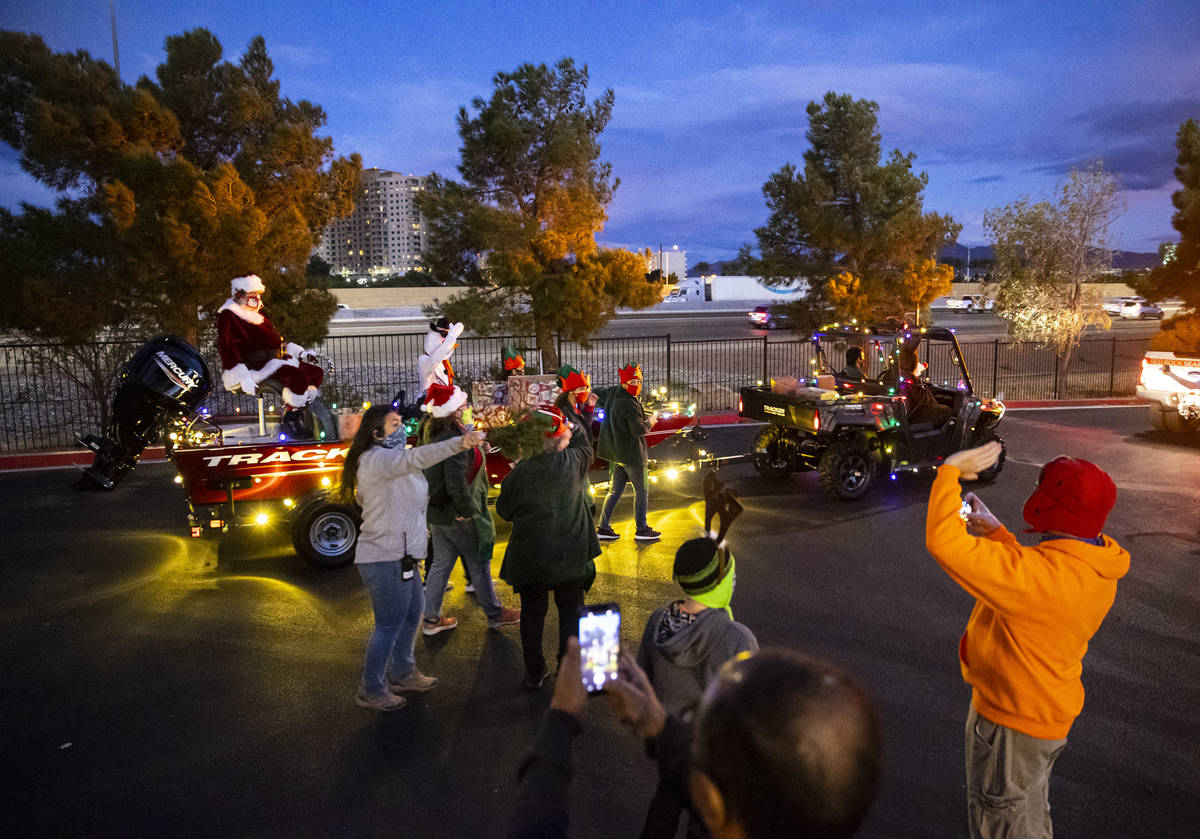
x: 997, y: 100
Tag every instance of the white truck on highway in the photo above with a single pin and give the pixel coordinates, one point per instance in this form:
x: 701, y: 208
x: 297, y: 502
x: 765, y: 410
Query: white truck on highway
x: 1171, y: 383
x: 971, y: 303
x: 742, y: 288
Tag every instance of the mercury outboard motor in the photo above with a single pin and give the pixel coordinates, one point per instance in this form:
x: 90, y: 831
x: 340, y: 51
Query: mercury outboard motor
x: 164, y: 381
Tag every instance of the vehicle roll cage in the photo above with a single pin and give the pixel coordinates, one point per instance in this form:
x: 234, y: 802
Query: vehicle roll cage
x: 876, y: 336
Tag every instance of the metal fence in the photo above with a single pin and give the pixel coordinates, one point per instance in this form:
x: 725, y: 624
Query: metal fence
x: 50, y: 394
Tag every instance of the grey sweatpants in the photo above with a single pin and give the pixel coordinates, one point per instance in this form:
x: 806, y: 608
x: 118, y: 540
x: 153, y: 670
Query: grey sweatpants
x: 1008, y: 781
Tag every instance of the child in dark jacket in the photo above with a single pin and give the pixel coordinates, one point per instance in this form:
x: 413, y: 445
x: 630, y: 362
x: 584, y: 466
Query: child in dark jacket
x: 686, y: 642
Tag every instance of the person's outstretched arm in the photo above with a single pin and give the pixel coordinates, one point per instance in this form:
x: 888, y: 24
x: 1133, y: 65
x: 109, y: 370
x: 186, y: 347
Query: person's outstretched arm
x: 545, y: 773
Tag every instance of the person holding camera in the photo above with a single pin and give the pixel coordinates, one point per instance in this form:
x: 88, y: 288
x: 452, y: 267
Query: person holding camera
x: 783, y: 745
x: 1036, y: 609
x: 384, y: 476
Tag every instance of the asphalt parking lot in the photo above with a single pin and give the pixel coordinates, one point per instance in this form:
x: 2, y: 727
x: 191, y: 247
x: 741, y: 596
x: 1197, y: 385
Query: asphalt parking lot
x: 158, y: 685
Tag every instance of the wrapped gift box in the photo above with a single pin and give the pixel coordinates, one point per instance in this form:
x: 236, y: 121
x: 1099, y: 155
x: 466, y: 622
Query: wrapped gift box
x: 489, y: 393
x: 488, y: 417
x: 528, y: 392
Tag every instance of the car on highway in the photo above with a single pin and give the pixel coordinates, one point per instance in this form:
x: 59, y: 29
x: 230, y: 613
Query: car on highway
x: 770, y: 317
x: 971, y: 303
x: 1140, y: 307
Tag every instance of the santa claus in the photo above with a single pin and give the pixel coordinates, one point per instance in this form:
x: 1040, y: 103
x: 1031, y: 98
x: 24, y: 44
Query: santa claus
x: 253, y: 353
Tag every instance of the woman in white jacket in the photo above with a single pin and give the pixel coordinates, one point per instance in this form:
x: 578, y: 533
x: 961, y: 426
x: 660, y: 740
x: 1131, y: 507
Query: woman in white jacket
x: 385, y: 478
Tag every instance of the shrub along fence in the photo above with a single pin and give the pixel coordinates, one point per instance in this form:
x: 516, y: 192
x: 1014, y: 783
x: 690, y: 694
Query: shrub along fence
x: 51, y: 394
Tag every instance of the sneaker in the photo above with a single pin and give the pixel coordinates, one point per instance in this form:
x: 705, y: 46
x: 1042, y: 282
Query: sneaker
x: 606, y: 534
x: 414, y: 681
x: 647, y: 534
x: 433, y: 627
x: 386, y: 702
x: 449, y: 586
x: 536, y: 682
x: 507, y: 617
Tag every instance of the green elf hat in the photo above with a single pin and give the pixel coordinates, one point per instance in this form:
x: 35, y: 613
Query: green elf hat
x: 512, y: 358
x: 570, y: 379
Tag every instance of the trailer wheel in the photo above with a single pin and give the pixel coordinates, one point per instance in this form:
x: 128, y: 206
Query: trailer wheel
x: 769, y: 458
x: 987, y: 436
x: 847, y: 470
x: 325, y: 533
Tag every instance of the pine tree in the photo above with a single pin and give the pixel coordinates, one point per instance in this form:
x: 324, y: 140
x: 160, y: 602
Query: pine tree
x: 520, y: 229
x: 169, y: 189
x: 849, y: 224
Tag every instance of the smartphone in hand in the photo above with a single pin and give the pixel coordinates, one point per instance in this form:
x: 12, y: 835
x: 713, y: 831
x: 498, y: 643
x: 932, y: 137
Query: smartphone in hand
x: 599, y: 644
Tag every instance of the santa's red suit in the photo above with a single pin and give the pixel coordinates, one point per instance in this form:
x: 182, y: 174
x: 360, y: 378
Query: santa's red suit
x: 252, y: 351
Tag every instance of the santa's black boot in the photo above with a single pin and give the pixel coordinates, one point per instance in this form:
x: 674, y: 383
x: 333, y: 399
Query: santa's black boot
x: 293, y: 426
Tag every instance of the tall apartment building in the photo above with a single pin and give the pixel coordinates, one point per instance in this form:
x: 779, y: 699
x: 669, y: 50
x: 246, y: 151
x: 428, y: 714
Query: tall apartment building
x: 673, y: 261
x: 385, y: 233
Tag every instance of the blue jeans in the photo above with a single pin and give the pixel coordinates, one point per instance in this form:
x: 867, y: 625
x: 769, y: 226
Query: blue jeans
x: 462, y: 538
x: 397, y: 604
x: 618, y: 476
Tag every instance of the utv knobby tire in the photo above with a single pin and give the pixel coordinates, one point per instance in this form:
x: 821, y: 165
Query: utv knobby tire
x: 1157, y: 417
x: 1177, y: 424
x: 987, y: 436
x: 847, y: 470
x: 768, y: 457
x: 325, y: 533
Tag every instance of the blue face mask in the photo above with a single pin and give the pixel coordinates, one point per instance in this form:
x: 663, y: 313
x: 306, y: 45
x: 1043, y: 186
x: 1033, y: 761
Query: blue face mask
x: 397, y: 438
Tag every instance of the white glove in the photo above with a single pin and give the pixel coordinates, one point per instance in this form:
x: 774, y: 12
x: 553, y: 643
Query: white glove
x: 294, y: 350
x: 453, y: 332
x: 249, y: 386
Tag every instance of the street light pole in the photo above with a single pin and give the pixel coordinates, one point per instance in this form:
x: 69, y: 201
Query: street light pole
x: 112, y: 14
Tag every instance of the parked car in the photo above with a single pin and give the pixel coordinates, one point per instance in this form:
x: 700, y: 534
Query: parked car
x: 1140, y: 307
x: 770, y: 317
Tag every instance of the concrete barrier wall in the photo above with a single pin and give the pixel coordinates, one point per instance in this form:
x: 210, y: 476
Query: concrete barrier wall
x: 393, y: 298
x: 1106, y: 289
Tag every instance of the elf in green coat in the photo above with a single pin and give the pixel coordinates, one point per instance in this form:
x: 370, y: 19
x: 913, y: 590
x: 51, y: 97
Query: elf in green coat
x: 552, y: 545
x: 622, y: 443
x: 458, y: 517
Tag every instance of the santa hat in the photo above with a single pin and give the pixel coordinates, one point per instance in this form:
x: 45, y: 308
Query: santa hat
x: 1072, y: 496
x: 558, y: 421
x: 630, y: 371
x: 443, y: 400
x: 570, y: 379
x: 512, y: 358
x: 248, y: 283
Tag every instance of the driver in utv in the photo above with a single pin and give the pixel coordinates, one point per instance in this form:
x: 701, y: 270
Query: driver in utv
x: 922, y: 404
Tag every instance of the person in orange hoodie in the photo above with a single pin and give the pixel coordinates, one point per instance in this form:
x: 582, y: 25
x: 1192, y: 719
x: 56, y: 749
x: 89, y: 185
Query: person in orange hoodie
x: 1036, y: 608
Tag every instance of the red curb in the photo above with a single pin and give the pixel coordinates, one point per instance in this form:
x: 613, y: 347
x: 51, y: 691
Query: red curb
x: 61, y: 460
x: 1114, y: 402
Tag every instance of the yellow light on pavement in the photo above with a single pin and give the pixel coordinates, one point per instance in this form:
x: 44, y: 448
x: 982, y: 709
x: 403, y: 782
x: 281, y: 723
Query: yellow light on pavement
x: 287, y: 502
x: 261, y: 518
x: 326, y: 481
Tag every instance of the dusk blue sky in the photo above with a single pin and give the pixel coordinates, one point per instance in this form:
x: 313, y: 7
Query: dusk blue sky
x: 997, y: 99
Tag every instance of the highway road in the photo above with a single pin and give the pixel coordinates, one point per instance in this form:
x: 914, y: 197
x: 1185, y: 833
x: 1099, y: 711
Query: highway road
x: 692, y: 326
x: 156, y: 685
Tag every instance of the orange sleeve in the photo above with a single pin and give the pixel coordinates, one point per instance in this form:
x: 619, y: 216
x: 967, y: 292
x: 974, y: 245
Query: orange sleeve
x: 996, y: 570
